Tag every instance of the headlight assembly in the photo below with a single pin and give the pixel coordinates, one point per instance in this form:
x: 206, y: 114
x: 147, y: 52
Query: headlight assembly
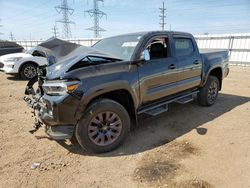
x: 13, y: 59
x: 59, y: 87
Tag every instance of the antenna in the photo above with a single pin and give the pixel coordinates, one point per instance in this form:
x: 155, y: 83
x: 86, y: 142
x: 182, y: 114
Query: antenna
x: 65, y: 10
x: 162, y: 16
x: 55, y: 31
x: 97, y: 14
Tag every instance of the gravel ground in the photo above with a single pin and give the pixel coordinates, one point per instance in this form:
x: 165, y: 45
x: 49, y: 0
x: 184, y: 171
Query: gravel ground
x: 188, y: 146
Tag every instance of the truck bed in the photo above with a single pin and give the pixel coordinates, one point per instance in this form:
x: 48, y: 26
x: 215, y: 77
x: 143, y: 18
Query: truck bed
x: 213, y: 54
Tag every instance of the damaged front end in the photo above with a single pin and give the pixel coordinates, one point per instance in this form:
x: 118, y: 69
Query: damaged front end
x: 51, y: 106
x: 34, y: 102
x: 58, y: 101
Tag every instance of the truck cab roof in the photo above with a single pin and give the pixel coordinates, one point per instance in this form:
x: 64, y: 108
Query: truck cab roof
x: 150, y: 33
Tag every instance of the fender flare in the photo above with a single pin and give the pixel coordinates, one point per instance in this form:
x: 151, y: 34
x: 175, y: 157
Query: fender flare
x: 102, y: 89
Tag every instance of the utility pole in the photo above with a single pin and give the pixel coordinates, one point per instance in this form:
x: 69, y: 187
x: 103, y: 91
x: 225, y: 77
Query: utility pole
x: 55, y: 31
x: 162, y: 16
x: 0, y: 27
x: 11, y: 36
x: 97, y: 14
x: 65, y: 10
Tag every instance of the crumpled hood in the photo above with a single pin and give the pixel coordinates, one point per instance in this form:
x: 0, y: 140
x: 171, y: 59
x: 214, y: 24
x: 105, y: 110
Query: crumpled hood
x: 58, y: 69
x: 57, y: 48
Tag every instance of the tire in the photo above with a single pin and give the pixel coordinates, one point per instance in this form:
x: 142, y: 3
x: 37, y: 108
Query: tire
x: 28, y: 71
x: 208, y: 94
x: 103, y: 126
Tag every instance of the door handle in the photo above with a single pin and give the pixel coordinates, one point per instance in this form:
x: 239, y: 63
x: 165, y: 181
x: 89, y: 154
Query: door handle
x: 196, y: 62
x: 172, y: 66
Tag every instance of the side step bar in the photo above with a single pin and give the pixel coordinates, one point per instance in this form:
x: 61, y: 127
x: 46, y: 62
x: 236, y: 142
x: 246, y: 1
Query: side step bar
x: 157, y: 111
x: 186, y: 99
x: 159, y: 108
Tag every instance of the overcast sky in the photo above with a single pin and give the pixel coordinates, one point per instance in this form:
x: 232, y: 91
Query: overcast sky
x: 34, y: 19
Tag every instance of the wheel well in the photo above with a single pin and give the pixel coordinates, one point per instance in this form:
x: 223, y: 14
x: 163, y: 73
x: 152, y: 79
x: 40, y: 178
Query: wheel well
x: 123, y: 97
x: 217, y: 72
x: 30, y: 62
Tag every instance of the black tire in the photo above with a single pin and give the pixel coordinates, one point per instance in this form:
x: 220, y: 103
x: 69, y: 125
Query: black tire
x: 208, y: 94
x: 94, y: 136
x: 28, y: 71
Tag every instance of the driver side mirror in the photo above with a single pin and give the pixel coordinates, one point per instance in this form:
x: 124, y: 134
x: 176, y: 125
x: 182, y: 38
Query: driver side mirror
x: 145, y: 55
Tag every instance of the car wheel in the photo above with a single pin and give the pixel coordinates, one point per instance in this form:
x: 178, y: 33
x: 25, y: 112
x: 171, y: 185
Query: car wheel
x: 103, y: 127
x: 208, y: 94
x: 28, y: 71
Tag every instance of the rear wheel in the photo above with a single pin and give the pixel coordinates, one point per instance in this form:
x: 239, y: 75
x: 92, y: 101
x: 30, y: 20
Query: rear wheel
x: 208, y: 94
x: 103, y: 127
x: 28, y: 71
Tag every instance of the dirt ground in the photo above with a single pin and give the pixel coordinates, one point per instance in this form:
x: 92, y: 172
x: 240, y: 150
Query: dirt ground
x: 188, y: 146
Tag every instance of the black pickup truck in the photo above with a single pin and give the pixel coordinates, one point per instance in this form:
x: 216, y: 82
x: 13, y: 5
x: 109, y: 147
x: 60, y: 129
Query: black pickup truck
x: 97, y: 93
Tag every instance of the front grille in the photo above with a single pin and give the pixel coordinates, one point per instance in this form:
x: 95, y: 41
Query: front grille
x: 1, y: 65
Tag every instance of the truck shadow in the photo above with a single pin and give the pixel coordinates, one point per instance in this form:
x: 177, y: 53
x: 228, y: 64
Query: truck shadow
x: 15, y: 78
x: 180, y: 119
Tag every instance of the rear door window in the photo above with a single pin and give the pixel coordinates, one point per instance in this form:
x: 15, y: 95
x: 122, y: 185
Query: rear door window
x: 183, y: 46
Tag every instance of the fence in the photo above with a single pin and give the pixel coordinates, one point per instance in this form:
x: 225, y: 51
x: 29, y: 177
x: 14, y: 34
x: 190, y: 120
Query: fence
x: 237, y: 45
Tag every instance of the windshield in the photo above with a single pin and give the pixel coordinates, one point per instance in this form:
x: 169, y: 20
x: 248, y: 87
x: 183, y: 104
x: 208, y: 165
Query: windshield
x: 121, y: 47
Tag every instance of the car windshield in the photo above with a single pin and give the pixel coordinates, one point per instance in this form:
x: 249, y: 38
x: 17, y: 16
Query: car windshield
x: 121, y: 47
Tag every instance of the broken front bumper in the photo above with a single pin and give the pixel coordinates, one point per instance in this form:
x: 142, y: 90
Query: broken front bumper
x: 57, y: 113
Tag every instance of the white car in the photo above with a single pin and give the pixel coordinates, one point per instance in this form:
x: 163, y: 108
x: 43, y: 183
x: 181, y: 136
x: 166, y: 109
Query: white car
x: 23, y: 64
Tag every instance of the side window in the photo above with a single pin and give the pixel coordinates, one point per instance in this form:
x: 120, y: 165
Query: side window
x: 183, y: 46
x: 158, y: 48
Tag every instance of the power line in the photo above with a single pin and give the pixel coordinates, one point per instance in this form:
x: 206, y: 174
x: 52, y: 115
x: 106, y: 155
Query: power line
x: 162, y: 16
x: 97, y: 14
x: 55, y: 31
x: 66, y: 11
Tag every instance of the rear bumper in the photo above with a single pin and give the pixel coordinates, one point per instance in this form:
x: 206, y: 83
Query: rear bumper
x: 227, y: 72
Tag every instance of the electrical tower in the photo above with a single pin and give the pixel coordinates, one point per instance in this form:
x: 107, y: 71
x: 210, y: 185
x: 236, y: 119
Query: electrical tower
x: 97, y: 14
x: 55, y: 31
x: 11, y: 36
x: 65, y: 10
x: 162, y: 16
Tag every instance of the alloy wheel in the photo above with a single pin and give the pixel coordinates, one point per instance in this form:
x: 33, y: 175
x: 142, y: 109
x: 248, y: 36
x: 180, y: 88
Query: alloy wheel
x: 212, y: 92
x: 29, y: 72
x: 104, y: 128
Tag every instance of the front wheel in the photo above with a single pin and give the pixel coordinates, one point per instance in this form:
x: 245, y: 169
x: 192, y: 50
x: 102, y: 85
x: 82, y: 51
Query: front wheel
x: 103, y: 127
x: 28, y: 71
x: 208, y: 94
